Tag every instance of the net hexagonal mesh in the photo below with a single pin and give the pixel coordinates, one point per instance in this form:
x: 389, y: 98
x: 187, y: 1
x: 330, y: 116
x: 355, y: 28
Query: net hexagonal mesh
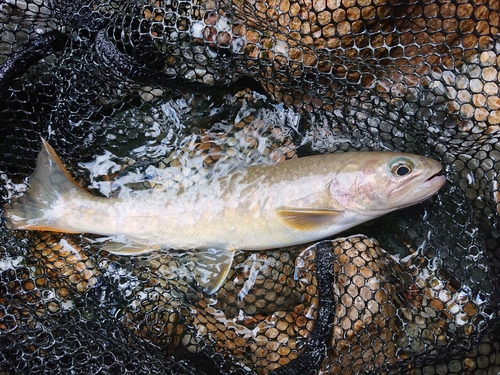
x: 164, y: 94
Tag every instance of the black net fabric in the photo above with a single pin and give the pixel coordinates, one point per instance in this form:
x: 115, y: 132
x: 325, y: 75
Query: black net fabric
x: 163, y: 94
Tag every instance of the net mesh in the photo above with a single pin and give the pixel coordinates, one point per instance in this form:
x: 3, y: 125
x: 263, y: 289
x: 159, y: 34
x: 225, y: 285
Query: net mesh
x: 163, y: 94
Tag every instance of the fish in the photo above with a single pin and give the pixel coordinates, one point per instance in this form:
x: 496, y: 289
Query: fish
x: 254, y: 208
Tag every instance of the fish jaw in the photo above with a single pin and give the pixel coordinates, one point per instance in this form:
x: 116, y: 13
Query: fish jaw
x: 420, y: 187
x: 431, y: 187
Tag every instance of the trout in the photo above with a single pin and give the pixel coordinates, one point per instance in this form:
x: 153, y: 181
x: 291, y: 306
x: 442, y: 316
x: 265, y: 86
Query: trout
x: 255, y: 208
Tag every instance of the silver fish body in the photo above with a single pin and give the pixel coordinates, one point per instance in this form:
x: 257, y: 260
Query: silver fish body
x: 255, y: 208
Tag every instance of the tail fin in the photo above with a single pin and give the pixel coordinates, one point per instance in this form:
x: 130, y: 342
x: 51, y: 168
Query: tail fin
x: 35, y: 209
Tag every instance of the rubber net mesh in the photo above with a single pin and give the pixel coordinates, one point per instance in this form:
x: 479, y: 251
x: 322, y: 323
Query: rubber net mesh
x: 153, y: 94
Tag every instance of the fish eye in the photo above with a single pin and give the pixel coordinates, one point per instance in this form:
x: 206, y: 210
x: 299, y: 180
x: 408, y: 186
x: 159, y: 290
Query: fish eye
x: 401, y: 169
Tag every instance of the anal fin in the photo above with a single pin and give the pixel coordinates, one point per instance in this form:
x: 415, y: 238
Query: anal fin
x: 210, y: 267
x: 117, y: 246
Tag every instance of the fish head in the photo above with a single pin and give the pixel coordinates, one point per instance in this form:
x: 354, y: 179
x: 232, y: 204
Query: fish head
x: 381, y: 182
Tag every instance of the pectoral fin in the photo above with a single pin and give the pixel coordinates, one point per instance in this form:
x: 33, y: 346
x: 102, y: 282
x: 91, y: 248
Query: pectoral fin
x: 211, y: 267
x: 308, y: 219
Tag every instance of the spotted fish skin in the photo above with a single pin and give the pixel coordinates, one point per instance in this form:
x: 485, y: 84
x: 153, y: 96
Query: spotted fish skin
x: 255, y: 208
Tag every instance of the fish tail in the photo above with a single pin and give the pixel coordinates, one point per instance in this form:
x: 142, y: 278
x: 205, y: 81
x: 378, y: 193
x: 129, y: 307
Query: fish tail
x: 34, y: 210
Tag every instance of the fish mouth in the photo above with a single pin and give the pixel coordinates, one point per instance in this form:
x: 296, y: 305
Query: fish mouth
x: 421, y: 190
x: 432, y: 185
x: 435, y: 176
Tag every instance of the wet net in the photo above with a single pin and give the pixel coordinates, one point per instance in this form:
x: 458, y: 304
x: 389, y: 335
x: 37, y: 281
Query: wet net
x: 157, y: 94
